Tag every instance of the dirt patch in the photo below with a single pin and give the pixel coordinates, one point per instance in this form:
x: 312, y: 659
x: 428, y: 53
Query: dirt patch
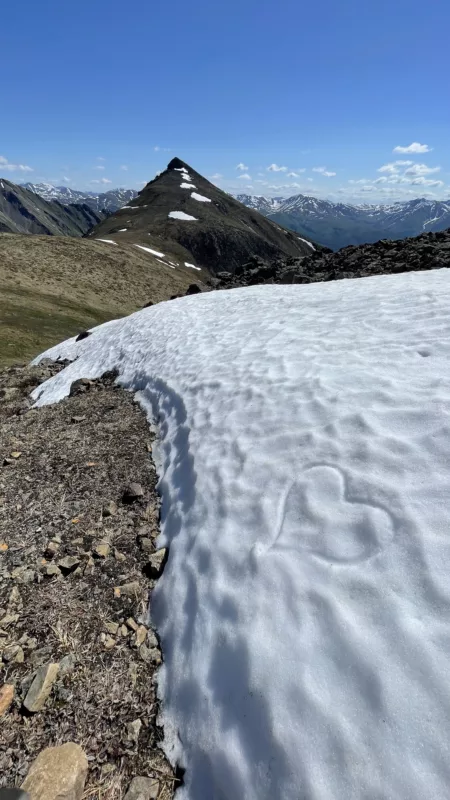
x: 79, y: 515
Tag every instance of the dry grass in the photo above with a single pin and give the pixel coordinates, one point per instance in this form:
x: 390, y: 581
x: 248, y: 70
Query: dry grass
x: 52, y: 287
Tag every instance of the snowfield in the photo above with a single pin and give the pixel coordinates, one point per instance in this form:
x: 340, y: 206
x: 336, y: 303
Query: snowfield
x: 304, y: 463
x: 182, y: 215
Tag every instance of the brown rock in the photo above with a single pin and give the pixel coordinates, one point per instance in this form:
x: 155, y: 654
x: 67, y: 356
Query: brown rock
x: 140, y: 635
x: 58, y: 773
x: 112, y: 627
x: 109, y: 642
x: 13, y: 653
x: 133, y: 730
x: 41, y: 687
x: 131, y: 624
x: 155, y: 563
x: 51, y: 570
x: 119, y: 556
x: 132, y: 589
x: 101, y: 550
x: 8, y: 619
x: 143, y: 789
x: 6, y: 697
x: 146, y: 544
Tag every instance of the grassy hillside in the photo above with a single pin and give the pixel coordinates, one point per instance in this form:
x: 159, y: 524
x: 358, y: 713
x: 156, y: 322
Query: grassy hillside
x: 53, y: 287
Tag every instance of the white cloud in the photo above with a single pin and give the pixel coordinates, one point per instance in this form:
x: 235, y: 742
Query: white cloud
x: 425, y: 182
x: 5, y: 165
x: 124, y: 167
x: 242, y: 167
x: 245, y: 176
x: 276, y: 168
x: 310, y: 180
x: 66, y: 179
x: 216, y: 177
x: 323, y: 171
x: 415, y: 147
x: 100, y: 158
x: 421, y: 169
x: 292, y: 175
x: 99, y: 166
x: 102, y: 180
x: 156, y: 149
x: 393, y: 167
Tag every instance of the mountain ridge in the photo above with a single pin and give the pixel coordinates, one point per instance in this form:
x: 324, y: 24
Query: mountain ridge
x: 106, y: 202
x: 338, y: 225
x: 23, y: 211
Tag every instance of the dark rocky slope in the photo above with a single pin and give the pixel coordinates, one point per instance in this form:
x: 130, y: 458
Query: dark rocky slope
x: 427, y: 251
x: 222, y: 234
x: 23, y: 211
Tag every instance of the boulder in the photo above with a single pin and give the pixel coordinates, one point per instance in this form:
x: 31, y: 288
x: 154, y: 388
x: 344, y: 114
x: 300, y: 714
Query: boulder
x: 58, y: 773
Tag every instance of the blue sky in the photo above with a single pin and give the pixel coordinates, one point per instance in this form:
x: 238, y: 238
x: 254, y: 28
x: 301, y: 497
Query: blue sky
x: 101, y: 94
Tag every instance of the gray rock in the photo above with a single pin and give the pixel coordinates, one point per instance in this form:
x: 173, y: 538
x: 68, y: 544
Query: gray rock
x: 58, y: 773
x: 143, y: 789
x: 67, y: 664
x: 132, y: 492
x: 41, y: 687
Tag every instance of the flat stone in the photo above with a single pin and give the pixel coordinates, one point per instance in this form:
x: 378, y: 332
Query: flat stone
x: 140, y: 635
x: 13, y: 653
x: 101, y: 550
x: 133, y: 730
x: 132, y: 492
x: 51, y: 570
x: 68, y: 563
x: 143, y: 789
x: 6, y: 697
x: 119, y: 556
x: 23, y: 575
x: 132, y: 589
x: 109, y: 509
x: 41, y: 687
x: 155, y: 563
x: 109, y: 642
x: 58, y: 773
x: 67, y: 664
x: 146, y: 544
x: 112, y: 627
x: 51, y: 549
x: 124, y: 630
x: 131, y: 624
x: 8, y: 619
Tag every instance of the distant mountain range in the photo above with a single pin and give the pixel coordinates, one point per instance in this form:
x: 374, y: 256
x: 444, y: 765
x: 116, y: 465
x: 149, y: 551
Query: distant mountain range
x: 337, y: 225
x: 105, y: 202
x: 187, y: 221
x: 23, y: 211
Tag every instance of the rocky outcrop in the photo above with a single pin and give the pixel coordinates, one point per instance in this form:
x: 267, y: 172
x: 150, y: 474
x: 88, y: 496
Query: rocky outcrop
x: 427, y: 251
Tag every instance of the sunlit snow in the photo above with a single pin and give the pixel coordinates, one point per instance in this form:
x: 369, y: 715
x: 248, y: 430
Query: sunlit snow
x: 187, y: 186
x: 201, y: 198
x: 304, y: 468
x: 182, y: 215
x: 310, y: 244
x: 149, y: 250
x: 191, y: 266
x: 108, y: 241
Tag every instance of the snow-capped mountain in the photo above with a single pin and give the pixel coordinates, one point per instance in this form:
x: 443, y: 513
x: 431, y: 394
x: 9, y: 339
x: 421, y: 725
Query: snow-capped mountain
x: 108, y: 202
x: 340, y: 224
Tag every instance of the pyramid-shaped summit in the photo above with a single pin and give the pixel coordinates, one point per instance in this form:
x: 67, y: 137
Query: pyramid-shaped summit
x: 188, y: 218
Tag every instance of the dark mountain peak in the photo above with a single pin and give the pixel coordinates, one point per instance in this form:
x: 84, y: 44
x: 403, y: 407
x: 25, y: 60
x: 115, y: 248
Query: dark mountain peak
x: 182, y: 214
x: 177, y: 163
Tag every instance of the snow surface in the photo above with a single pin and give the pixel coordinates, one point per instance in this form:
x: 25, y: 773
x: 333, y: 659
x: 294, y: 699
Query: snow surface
x: 149, y: 250
x: 122, y: 230
x: 304, y: 464
x: 108, y: 241
x: 166, y: 263
x: 121, y: 209
x: 187, y: 186
x: 200, y: 197
x: 310, y: 244
x: 191, y: 266
x: 182, y: 215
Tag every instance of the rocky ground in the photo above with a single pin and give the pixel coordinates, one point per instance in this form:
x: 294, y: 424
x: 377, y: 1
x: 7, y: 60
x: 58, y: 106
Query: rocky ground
x: 78, y: 519
x: 427, y: 251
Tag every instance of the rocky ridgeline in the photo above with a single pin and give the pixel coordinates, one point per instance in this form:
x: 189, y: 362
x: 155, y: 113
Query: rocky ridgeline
x: 79, y: 517
x: 427, y: 251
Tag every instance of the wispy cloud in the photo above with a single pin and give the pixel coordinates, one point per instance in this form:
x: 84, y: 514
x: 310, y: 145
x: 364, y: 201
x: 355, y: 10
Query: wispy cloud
x: 216, y: 177
x: 414, y: 147
x: 102, y: 180
x: 100, y: 158
x: 66, y: 179
x: 323, y: 171
x: 421, y: 169
x: 393, y: 167
x: 242, y: 167
x: 276, y: 168
x: 99, y: 166
x: 124, y: 167
x: 245, y: 176
x: 8, y: 167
